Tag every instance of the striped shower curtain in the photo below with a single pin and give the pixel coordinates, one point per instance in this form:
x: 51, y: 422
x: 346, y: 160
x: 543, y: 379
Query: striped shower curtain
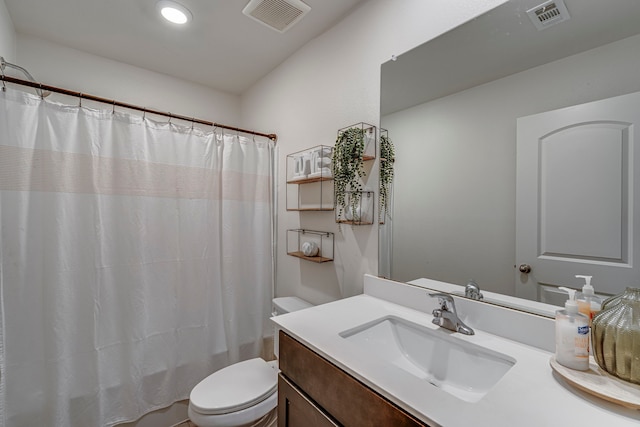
x: 136, y: 258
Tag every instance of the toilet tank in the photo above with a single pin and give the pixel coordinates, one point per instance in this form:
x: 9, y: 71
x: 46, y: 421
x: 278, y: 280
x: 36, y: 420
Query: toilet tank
x: 283, y: 305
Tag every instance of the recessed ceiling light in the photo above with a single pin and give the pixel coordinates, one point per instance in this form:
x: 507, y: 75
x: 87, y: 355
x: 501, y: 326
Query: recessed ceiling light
x: 174, y: 12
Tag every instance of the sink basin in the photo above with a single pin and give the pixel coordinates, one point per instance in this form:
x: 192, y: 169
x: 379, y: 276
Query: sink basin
x: 460, y: 368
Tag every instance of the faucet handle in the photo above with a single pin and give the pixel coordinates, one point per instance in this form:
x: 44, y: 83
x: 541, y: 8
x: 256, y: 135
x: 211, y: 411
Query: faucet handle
x: 445, y: 301
x: 472, y: 290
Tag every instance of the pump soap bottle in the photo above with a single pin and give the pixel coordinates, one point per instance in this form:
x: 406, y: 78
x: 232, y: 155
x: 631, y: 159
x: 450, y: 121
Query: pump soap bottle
x: 588, y: 303
x: 572, y: 335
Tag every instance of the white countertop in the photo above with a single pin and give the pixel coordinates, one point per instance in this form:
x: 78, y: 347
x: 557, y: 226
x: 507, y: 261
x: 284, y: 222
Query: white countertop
x: 529, y: 394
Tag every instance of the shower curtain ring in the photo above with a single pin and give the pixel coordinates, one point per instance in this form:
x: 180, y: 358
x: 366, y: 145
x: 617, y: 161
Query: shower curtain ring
x: 113, y: 110
x: 193, y: 122
x: 41, y: 92
x: 4, y: 84
x: 80, y: 100
x: 144, y: 113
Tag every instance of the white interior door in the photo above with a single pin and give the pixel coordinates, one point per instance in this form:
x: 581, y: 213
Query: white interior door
x: 576, y: 204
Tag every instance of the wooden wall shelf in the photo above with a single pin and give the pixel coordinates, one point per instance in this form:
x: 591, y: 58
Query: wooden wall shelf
x: 310, y: 180
x: 323, y: 241
x: 308, y: 174
x: 318, y: 259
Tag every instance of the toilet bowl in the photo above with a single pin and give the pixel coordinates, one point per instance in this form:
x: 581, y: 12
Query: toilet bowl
x: 244, y: 394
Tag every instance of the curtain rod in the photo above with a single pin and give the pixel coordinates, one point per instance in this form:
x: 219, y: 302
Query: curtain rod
x: 271, y: 136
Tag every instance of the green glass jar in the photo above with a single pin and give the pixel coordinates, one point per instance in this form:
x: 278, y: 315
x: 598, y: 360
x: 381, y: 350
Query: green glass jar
x: 615, y: 336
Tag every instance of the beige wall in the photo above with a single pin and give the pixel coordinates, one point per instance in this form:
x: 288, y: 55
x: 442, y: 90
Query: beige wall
x: 333, y: 82
x: 61, y: 66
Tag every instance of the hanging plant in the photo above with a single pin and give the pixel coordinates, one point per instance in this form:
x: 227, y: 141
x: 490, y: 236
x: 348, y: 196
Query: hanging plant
x: 387, y: 159
x: 348, y: 168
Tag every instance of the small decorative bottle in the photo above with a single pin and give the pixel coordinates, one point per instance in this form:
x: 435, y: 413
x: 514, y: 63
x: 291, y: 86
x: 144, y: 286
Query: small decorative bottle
x: 589, y: 303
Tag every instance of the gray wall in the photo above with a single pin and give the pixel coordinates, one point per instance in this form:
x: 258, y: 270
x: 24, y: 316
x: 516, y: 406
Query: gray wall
x: 7, y: 34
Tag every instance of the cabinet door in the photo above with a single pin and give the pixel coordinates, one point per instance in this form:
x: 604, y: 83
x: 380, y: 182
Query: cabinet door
x: 348, y: 401
x: 297, y: 410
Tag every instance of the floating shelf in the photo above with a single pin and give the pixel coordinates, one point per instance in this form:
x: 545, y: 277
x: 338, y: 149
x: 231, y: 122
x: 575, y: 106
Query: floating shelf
x: 310, y: 245
x: 309, y: 180
x: 312, y: 209
x: 311, y: 166
x: 358, y: 213
x: 370, y: 139
x: 357, y: 207
x: 317, y: 259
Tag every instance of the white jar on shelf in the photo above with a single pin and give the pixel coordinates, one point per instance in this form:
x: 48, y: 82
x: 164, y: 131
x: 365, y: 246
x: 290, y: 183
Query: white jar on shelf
x: 310, y: 249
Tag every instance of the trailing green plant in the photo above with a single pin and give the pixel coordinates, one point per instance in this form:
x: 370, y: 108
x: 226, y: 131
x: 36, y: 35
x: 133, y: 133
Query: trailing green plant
x: 387, y: 159
x: 348, y: 168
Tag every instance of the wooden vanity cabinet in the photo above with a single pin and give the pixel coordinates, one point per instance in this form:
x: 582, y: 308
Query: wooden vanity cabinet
x: 312, y: 392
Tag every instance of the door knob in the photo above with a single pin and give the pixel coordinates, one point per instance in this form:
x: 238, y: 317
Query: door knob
x: 525, y: 268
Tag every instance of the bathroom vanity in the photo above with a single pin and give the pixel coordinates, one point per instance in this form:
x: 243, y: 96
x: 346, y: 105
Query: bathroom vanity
x: 377, y: 359
x: 314, y: 392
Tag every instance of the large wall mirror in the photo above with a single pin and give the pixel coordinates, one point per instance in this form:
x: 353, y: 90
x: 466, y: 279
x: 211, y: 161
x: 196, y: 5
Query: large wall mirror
x: 454, y: 107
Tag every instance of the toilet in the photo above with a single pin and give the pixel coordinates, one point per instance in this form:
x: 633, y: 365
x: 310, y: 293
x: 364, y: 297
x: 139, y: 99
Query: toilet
x: 244, y: 394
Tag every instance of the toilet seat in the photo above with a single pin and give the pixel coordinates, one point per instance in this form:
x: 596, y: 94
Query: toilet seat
x: 234, y: 388
x: 258, y: 415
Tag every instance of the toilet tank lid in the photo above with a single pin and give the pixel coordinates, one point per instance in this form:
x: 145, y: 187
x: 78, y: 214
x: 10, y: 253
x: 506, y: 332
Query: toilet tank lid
x: 290, y: 304
x: 235, y: 387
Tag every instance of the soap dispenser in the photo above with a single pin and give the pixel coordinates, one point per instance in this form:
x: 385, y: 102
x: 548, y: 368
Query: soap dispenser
x: 572, y: 335
x: 588, y: 303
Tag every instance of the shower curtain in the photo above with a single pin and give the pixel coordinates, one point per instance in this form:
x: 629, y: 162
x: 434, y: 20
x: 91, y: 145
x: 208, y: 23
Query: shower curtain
x: 136, y: 259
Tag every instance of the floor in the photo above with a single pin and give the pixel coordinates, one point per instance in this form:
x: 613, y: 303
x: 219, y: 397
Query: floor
x: 186, y: 424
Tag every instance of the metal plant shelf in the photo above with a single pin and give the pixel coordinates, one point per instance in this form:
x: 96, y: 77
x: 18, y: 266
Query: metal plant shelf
x: 364, y: 213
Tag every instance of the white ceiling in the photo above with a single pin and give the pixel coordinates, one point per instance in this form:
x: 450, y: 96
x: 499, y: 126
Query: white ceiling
x: 220, y: 48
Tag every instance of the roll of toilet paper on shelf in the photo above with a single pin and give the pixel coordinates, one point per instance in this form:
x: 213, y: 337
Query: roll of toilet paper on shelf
x: 323, y: 151
x: 306, y: 165
x: 322, y: 162
x: 324, y: 172
x: 353, y: 214
x: 310, y: 249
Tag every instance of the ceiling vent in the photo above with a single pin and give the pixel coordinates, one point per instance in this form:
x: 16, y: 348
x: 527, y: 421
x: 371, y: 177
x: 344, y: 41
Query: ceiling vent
x: 279, y: 15
x: 548, y: 13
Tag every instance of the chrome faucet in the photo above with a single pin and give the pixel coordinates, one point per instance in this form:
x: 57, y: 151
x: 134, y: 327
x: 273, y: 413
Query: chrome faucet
x: 472, y: 290
x: 447, y: 317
